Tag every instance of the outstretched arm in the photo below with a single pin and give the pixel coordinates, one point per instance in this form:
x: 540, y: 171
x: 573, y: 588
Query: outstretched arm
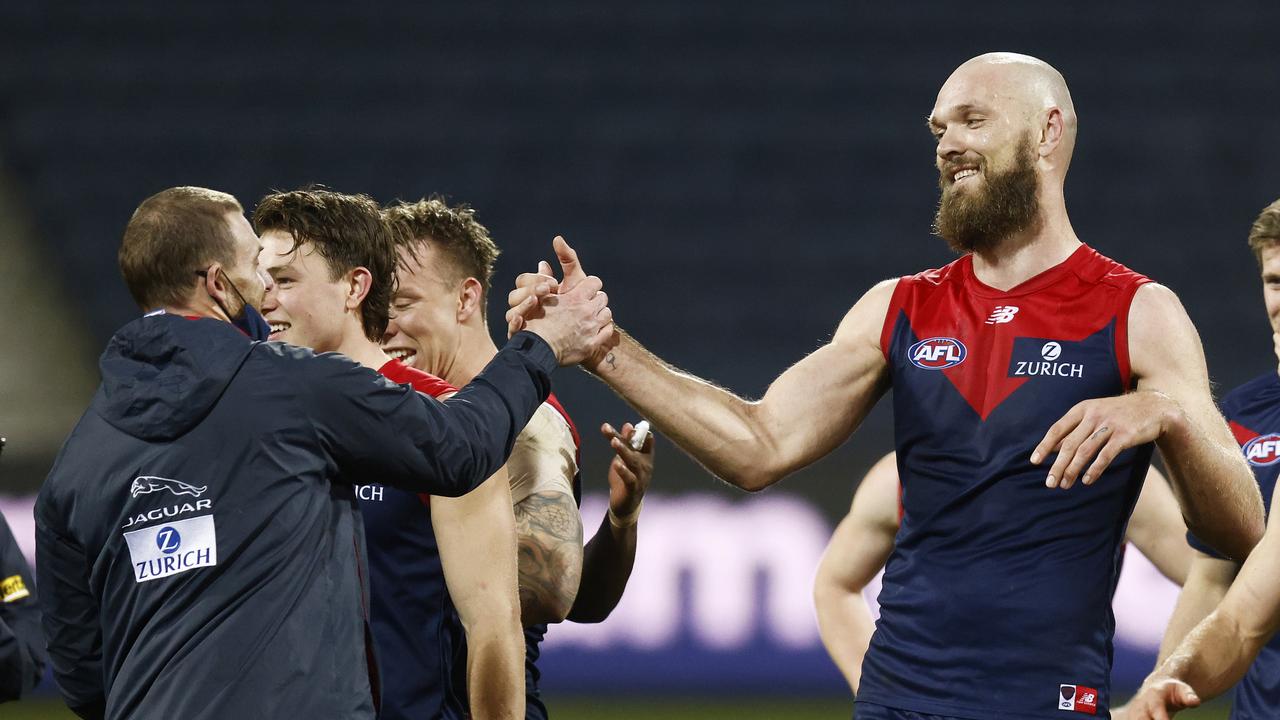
x: 1207, y: 583
x: 1174, y: 408
x: 611, y: 554
x: 476, y: 535
x: 857, y: 551
x: 808, y: 410
x: 1216, y: 654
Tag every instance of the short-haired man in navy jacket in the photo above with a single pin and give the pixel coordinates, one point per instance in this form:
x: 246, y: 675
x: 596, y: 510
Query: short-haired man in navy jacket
x: 198, y: 543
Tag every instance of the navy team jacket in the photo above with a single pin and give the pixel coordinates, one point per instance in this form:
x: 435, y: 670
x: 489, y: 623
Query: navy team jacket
x: 199, y: 547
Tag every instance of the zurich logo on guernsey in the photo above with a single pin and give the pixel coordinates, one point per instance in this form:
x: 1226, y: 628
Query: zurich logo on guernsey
x: 1263, y: 450
x: 937, y: 353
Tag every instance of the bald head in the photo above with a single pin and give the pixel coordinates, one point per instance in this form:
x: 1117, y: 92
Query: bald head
x: 1023, y: 93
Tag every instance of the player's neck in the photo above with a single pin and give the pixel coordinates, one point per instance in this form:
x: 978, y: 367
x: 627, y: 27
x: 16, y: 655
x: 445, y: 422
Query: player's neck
x: 1020, y: 257
x: 197, y: 308
x: 362, y: 350
x: 474, y: 353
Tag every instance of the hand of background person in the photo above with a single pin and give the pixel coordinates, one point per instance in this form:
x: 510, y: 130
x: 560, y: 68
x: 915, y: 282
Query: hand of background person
x: 1161, y: 699
x: 1094, y: 432
x: 630, y: 471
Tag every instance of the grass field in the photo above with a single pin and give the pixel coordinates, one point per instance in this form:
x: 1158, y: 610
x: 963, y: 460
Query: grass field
x: 634, y: 709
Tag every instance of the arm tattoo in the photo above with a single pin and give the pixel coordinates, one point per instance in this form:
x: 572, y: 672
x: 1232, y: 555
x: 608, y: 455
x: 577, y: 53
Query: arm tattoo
x: 613, y: 363
x: 549, y: 533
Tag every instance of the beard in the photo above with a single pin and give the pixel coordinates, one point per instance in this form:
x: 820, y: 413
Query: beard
x: 978, y: 219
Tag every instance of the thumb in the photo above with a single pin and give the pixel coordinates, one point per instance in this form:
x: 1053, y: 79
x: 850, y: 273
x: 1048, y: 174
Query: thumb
x: 569, y: 264
x: 1184, y: 696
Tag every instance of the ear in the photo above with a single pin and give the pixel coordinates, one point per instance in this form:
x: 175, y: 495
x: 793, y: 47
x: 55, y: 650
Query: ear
x: 1051, y: 131
x: 359, y: 282
x: 215, y: 284
x: 470, y: 300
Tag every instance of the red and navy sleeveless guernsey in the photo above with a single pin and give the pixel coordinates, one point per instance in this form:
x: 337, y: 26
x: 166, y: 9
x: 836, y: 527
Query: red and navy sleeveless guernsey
x: 410, y: 609
x: 1253, y: 411
x: 996, y: 600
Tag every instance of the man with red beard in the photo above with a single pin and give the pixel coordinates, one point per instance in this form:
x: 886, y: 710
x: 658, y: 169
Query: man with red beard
x: 996, y: 598
x: 438, y: 325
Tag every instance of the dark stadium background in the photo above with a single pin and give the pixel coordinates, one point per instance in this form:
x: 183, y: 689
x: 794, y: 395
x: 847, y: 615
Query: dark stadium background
x: 738, y: 174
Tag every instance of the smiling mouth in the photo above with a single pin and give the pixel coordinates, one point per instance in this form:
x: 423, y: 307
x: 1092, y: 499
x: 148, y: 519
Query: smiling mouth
x: 403, y: 354
x: 963, y: 173
x: 277, y: 328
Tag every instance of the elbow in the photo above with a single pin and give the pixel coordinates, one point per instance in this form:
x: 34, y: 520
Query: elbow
x: 753, y: 479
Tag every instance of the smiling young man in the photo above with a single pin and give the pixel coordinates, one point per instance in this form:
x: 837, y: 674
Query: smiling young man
x: 438, y: 325
x: 996, y: 599
x: 332, y: 261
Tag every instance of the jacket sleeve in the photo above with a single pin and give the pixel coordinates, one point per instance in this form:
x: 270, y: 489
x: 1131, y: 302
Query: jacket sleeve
x: 381, y: 432
x: 22, y: 655
x: 69, y: 616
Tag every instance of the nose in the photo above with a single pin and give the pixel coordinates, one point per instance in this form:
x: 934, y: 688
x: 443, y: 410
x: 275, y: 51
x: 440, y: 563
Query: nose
x: 391, y: 331
x: 949, y: 146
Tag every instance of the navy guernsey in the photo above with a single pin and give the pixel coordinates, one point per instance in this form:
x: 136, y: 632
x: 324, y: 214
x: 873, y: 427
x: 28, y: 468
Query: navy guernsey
x: 1253, y: 411
x: 996, y: 600
x: 411, y: 613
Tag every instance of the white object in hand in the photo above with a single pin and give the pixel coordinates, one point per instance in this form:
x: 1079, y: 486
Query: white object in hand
x: 640, y: 435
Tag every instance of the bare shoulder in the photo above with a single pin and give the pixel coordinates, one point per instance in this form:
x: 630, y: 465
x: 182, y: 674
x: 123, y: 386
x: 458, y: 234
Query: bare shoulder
x: 1161, y: 334
x: 866, y: 318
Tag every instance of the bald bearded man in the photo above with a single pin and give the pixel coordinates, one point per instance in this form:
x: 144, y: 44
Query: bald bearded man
x: 1032, y: 378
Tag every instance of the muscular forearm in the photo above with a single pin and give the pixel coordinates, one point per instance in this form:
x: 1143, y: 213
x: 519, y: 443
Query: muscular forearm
x: 717, y: 428
x: 1214, y: 656
x: 1194, y: 604
x: 495, y: 671
x: 1216, y: 491
x: 844, y: 621
x: 606, y: 566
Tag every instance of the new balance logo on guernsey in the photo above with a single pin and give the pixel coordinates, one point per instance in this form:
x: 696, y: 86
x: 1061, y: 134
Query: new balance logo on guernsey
x: 163, y: 550
x: 1078, y: 698
x: 1002, y: 314
x: 1263, y: 450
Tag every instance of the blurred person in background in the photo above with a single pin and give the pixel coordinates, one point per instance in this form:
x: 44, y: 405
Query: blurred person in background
x: 332, y: 262
x: 997, y: 595
x: 439, y: 326
x: 863, y: 541
x: 22, y: 653
x: 1240, y: 642
x: 197, y: 540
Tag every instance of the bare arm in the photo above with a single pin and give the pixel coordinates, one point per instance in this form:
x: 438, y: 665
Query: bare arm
x: 1174, y: 408
x: 550, y: 552
x: 477, y: 539
x: 609, y: 557
x: 808, y: 410
x: 548, y: 525
x: 1206, y: 585
x: 1216, y: 654
x: 857, y: 551
x: 1158, y: 530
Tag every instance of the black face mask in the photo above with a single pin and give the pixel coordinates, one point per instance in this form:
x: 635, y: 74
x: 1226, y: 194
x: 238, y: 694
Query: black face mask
x: 248, y: 320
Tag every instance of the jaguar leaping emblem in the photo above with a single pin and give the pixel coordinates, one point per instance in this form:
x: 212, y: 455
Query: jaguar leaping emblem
x: 144, y: 484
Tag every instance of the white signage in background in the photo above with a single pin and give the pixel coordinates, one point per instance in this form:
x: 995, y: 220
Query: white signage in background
x: 731, y: 555
x: 747, y: 564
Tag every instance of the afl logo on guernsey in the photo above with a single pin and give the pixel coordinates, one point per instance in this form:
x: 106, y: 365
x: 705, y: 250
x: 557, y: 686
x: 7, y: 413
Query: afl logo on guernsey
x: 937, y: 353
x: 1263, y: 450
